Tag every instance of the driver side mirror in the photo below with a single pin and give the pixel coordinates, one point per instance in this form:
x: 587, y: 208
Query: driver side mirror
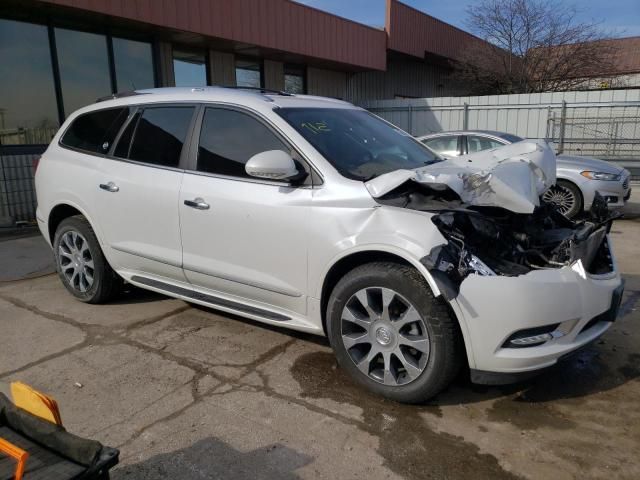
x: 272, y: 165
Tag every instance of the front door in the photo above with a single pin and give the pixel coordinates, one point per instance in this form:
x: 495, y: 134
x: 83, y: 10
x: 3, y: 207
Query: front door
x: 137, y: 195
x: 243, y: 238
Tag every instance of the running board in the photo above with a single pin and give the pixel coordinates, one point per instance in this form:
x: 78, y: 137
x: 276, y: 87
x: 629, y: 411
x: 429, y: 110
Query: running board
x: 210, y: 299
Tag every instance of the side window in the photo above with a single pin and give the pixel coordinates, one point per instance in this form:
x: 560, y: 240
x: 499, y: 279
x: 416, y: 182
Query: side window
x: 477, y: 144
x: 229, y: 139
x: 95, y: 131
x: 159, y: 136
x: 444, y: 145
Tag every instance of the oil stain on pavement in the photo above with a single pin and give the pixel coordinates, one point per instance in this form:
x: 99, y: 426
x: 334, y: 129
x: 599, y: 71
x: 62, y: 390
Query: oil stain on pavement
x: 410, y: 448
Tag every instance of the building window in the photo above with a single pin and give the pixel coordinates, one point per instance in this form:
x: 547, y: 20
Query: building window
x: 295, y: 79
x: 83, y: 60
x: 249, y: 73
x: 28, y: 109
x: 133, y: 64
x: 190, y: 68
x: 34, y: 99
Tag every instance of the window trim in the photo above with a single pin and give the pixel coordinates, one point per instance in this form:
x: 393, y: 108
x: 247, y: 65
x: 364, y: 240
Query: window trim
x: 313, y: 180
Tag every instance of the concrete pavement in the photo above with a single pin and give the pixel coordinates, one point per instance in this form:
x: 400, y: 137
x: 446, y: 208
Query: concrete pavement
x: 191, y: 393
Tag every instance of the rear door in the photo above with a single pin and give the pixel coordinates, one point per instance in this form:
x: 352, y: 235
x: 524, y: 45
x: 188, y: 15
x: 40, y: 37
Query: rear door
x: 243, y: 237
x: 138, y: 192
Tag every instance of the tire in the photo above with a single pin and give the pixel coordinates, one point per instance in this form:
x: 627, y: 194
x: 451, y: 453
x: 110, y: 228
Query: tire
x: 80, y: 263
x: 566, y: 196
x: 421, y: 374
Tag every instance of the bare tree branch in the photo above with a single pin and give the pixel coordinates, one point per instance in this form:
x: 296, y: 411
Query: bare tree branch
x: 532, y: 46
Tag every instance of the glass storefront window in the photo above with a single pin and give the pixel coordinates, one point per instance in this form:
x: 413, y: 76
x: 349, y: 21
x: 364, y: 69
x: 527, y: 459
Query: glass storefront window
x: 189, y: 68
x: 249, y: 73
x: 84, y: 68
x: 134, y: 64
x: 28, y: 111
x: 294, y: 79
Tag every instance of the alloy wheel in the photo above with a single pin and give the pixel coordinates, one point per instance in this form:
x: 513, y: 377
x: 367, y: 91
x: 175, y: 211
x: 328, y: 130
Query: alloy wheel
x: 563, y: 198
x: 76, y: 261
x: 385, y: 336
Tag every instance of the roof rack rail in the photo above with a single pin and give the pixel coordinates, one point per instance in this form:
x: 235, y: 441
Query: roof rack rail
x: 113, y: 96
x: 260, y: 89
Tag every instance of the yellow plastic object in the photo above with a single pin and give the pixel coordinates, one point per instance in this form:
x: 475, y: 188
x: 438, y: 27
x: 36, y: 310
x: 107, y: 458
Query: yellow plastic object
x: 34, y: 402
x: 19, y: 455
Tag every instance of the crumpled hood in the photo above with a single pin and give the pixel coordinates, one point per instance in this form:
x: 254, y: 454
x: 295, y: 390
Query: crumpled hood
x: 512, y: 177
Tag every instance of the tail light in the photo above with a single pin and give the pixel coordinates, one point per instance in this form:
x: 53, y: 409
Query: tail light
x: 36, y: 162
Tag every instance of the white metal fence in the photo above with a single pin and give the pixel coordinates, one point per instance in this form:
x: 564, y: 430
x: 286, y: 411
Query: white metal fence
x: 605, y: 124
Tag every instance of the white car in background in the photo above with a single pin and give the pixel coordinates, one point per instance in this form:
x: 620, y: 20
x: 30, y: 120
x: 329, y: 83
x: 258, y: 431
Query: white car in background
x: 578, y: 178
x: 315, y: 215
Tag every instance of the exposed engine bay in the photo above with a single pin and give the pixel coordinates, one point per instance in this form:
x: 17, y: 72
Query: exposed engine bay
x: 488, y: 207
x: 495, y: 241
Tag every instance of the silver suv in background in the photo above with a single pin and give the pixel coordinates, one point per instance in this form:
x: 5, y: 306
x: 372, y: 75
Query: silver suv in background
x: 312, y: 214
x: 578, y: 177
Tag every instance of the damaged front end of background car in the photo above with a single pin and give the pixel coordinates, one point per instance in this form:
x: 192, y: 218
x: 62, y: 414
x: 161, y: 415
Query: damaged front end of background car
x: 488, y: 208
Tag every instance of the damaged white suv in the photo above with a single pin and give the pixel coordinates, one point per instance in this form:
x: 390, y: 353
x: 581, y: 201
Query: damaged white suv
x: 312, y: 214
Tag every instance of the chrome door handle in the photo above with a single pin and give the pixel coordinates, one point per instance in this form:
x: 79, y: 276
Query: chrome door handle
x: 109, y: 187
x: 197, y: 203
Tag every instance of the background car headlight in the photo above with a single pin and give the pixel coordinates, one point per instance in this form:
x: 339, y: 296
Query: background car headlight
x: 600, y: 175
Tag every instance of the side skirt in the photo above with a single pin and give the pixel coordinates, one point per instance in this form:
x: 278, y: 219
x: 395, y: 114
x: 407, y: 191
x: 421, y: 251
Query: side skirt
x: 210, y: 299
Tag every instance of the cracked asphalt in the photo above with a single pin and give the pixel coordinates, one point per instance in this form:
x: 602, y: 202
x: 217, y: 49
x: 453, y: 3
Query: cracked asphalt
x: 187, y: 392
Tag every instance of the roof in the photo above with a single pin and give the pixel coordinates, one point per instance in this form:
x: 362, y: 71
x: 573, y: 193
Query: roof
x: 417, y: 34
x: 255, y: 99
x: 626, y: 57
x: 273, y: 25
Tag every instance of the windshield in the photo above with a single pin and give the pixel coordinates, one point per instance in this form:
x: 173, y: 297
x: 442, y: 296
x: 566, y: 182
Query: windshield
x: 357, y: 143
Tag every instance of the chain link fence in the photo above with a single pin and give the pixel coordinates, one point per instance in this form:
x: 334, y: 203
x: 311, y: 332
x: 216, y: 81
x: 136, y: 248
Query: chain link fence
x: 614, y: 138
x: 17, y: 189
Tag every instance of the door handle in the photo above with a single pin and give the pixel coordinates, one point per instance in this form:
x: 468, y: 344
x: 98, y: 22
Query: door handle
x: 197, y: 203
x: 110, y: 187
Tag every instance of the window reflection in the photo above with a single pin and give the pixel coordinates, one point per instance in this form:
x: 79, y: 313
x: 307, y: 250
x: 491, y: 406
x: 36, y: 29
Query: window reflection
x: 189, y: 68
x: 28, y: 113
x: 134, y: 64
x: 249, y: 73
x: 84, y: 68
x: 294, y: 79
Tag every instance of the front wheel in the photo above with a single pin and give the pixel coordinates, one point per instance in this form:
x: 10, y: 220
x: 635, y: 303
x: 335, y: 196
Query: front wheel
x: 566, y: 197
x: 391, y: 334
x: 80, y: 263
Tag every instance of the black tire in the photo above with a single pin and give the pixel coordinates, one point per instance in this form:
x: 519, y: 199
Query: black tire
x: 563, y: 187
x: 446, y: 346
x: 106, y: 284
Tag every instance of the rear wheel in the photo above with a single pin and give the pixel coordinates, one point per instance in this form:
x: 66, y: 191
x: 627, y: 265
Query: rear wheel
x: 80, y: 263
x: 566, y: 197
x: 391, y: 334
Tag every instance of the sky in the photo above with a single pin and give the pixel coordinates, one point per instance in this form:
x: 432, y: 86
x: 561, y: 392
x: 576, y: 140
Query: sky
x: 619, y: 17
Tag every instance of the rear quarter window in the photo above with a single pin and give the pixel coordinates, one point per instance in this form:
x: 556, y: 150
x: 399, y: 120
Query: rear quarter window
x: 95, y: 132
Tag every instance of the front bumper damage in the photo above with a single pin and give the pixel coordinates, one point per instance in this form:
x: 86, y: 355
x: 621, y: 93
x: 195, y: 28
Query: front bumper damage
x: 528, y: 285
x: 537, y: 295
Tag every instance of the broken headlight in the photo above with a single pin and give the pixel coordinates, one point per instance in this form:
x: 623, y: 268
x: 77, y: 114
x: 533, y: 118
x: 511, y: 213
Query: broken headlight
x: 478, y: 266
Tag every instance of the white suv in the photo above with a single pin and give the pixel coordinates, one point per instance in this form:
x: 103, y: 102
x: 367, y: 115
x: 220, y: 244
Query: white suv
x: 313, y: 214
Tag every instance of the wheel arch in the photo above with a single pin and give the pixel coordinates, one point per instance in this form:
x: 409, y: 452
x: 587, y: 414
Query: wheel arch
x: 352, y: 259
x: 65, y: 210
